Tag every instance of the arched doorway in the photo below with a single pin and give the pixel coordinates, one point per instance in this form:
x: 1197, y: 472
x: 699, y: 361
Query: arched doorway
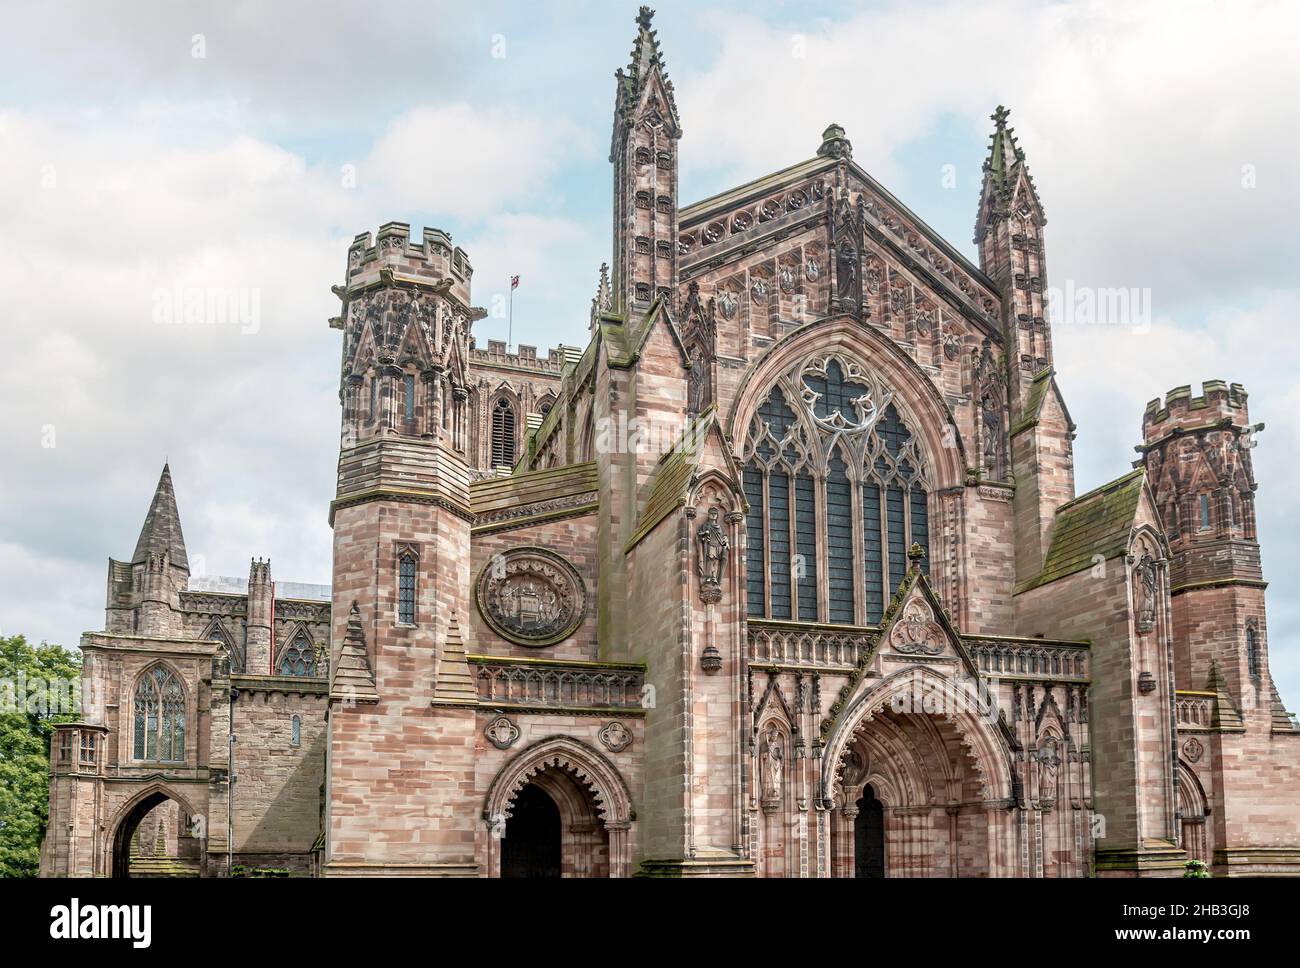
x: 920, y: 789
x: 155, y: 838
x: 869, y: 836
x: 531, y: 846
x: 559, y: 791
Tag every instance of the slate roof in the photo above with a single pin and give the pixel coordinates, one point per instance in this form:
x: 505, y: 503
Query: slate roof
x: 672, y: 478
x: 1098, y: 523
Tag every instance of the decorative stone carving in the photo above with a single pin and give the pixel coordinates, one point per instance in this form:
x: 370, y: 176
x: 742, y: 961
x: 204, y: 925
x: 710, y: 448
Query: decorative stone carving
x: 789, y: 278
x: 531, y: 596
x: 871, y: 395
x: 951, y: 342
x: 712, y: 557
x: 846, y: 263
x: 615, y: 737
x: 917, y: 632
x: 1145, y: 573
x: 728, y: 303
x: 812, y: 269
x: 771, y: 767
x: 1193, y: 750
x: 1049, y: 762
x: 502, y: 733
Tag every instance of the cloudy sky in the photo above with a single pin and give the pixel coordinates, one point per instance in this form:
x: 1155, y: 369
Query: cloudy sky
x: 156, y: 149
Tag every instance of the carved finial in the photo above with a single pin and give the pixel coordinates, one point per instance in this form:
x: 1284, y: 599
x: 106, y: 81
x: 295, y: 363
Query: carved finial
x: 999, y: 117
x: 916, y: 552
x: 644, y: 17
x: 834, y: 143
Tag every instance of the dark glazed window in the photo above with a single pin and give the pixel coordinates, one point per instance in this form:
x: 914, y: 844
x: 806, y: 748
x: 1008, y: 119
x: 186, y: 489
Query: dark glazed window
x: 828, y: 440
x: 406, y: 589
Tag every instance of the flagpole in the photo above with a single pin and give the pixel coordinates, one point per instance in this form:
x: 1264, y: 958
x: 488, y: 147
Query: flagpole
x: 510, y: 315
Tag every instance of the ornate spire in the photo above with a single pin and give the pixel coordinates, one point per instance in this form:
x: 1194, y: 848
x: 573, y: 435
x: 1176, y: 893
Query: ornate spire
x: 647, y: 61
x: 1004, y: 172
x: 162, y: 527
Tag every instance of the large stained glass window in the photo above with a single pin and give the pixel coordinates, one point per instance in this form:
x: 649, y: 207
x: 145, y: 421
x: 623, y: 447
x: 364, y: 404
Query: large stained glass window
x: 837, y: 491
x: 159, y: 717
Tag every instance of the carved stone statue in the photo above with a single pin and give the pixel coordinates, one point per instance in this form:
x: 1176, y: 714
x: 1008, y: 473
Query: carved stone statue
x: 846, y: 271
x: 992, y: 427
x: 697, y: 382
x: 1049, y: 762
x: 713, y: 545
x: 1146, y: 575
x: 770, y: 768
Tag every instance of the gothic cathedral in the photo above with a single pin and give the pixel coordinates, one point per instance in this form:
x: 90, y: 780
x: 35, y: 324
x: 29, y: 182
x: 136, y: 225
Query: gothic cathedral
x: 784, y: 575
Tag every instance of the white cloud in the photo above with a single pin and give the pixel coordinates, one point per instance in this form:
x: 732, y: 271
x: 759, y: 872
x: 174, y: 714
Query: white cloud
x: 463, y: 162
x: 1137, y: 120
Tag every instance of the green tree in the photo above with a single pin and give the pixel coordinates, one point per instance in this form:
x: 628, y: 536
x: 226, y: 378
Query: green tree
x: 35, y: 684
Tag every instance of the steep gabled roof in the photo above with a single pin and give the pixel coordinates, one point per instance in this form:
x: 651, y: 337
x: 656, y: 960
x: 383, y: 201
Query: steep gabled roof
x: 162, y: 526
x: 672, y: 477
x: 1096, y: 526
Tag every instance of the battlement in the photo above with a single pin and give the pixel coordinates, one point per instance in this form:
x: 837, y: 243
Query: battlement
x: 1218, y: 402
x: 524, y: 358
x: 433, y: 257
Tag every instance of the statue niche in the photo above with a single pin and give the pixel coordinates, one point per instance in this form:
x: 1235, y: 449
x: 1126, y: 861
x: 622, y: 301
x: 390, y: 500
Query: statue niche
x: 712, y: 557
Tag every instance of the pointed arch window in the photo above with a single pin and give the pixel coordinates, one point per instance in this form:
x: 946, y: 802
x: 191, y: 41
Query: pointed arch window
x: 1252, y: 650
x: 159, y: 717
x: 407, y: 564
x: 503, y: 433
x: 298, y: 657
x: 408, y: 387
x: 829, y: 461
x: 295, y: 731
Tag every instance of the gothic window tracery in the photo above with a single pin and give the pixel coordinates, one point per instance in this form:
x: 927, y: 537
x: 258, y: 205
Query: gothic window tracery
x: 298, y: 657
x: 159, y: 717
x: 837, y: 488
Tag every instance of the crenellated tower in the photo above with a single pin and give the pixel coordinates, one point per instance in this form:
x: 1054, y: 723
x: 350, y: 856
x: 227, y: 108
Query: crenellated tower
x: 643, y: 150
x: 401, y: 552
x: 1197, y: 453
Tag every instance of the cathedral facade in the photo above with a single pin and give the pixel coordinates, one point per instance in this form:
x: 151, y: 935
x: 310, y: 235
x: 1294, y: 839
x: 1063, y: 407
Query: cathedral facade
x: 783, y: 575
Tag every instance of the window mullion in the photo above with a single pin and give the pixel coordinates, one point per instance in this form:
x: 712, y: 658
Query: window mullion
x: 767, y: 543
x: 859, y: 558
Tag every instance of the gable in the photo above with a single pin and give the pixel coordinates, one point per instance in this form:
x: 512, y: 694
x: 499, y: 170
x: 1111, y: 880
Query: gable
x: 1091, y: 528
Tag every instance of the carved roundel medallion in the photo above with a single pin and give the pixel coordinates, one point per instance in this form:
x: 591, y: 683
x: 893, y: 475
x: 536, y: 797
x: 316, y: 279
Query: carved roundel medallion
x: 531, y: 596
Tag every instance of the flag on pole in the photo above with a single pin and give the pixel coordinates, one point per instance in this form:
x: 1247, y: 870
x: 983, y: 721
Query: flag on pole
x: 514, y: 282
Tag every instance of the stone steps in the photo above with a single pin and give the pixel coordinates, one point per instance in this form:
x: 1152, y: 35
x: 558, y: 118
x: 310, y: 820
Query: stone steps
x: 163, y: 867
